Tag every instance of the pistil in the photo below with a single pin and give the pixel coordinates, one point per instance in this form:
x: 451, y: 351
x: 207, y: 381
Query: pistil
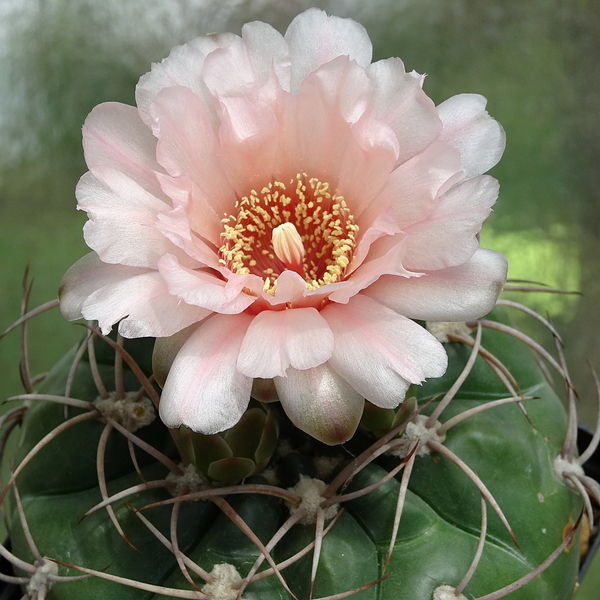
x: 288, y: 247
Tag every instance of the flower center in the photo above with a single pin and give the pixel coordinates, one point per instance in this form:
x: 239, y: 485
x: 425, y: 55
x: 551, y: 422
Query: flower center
x: 301, y: 227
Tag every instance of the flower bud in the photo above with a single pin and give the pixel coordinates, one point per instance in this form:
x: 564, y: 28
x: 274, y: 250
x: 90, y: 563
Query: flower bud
x: 378, y: 421
x: 228, y: 457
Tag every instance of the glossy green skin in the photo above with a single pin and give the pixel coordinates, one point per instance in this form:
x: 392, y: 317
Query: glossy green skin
x: 438, y: 532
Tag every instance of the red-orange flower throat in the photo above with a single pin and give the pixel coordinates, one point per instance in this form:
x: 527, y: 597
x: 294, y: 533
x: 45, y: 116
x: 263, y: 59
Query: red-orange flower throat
x: 301, y: 227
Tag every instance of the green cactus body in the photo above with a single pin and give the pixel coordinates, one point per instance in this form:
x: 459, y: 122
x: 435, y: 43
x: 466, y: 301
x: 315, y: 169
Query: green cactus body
x: 438, y: 531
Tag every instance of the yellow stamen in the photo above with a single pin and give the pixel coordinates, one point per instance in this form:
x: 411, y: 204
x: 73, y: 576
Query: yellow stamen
x: 303, y: 227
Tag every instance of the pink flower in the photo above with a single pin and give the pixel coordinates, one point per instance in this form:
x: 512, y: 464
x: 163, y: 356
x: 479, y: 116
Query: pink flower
x: 294, y: 207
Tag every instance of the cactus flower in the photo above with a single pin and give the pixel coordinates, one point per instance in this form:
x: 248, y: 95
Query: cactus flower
x: 290, y: 207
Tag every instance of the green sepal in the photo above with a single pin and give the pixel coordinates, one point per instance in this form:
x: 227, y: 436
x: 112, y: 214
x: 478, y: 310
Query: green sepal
x: 244, y: 437
x: 375, y: 418
x: 244, y: 450
x: 406, y: 409
x: 230, y: 470
x: 207, y: 449
x: 268, y: 441
x: 378, y: 421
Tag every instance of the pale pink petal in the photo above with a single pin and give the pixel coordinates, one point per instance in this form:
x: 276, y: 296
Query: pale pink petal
x: 379, y: 352
x: 400, y: 102
x: 246, y: 64
x: 249, y: 138
x: 85, y: 277
x: 315, y: 39
x: 384, y: 225
x: 448, y: 237
x: 113, y: 302
x: 461, y: 293
x: 122, y: 226
x: 201, y: 288
x: 326, y: 134
x: 204, y: 390
x: 412, y: 189
x: 165, y: 350
x: 193, y: 207
x: 116, y: 139
x: 366, y: 164
x: 161, y: 316
x: 386, y: 256
x: 290, y: 288
x: 319, y: 402
x: 276, y: 340
x: 183, y: 67
x: 316, y: 134
x: 237, y: 282
x: 112, y: 191
x: 188, y: 143
x: 126, y: 242
x: 268, y: 53
x: 342, y: 86
x: 175, y: 226
x: 467, y: 126
x: 228, y: 71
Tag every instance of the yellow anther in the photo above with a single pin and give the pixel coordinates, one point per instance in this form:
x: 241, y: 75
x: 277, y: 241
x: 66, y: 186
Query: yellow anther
x: 308, y: 229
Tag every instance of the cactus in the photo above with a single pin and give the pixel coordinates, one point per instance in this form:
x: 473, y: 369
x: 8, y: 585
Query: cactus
x: 472, y: 490
x: 282, y: 214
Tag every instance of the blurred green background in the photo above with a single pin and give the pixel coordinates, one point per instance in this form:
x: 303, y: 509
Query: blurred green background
x: 537, y: 62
